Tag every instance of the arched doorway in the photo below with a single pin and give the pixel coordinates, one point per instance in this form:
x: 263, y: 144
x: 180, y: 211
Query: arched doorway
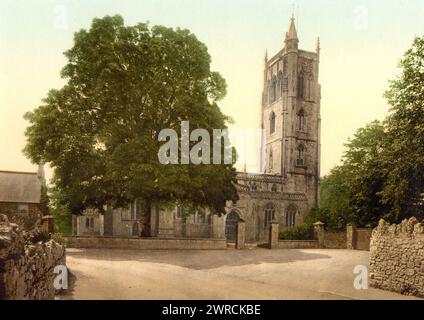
x: 231, y: 226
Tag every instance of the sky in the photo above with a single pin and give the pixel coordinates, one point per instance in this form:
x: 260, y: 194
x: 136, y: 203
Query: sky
x: 361, y: 45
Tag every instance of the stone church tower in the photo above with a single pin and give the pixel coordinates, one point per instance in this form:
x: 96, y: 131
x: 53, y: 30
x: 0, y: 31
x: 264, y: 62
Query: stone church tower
x: 291, y: 117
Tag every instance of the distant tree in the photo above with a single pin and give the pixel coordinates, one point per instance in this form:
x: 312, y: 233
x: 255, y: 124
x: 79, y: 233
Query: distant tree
x: 403, y: 191
x: 382, y: 174
x: 335, y: 198
x: 334, y: 211
x: 60, y: 211
x: 382, y: 170
x: 100, y: 131
x: 366, y: 171
x: 351, y: 191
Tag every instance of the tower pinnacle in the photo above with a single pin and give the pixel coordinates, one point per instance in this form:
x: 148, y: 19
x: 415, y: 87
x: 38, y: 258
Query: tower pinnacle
x: 318, y: 49
x: 292, y: 34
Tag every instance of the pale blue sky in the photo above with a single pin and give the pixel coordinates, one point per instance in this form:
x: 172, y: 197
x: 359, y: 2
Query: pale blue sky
x: 362, y: 42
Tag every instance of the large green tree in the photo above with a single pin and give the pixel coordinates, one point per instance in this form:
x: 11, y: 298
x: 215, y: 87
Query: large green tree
x: 382, y: 173
x: 60, y: 211
x: 100, y: 131
x: 366, y: 174
x: 351, y: 191
x: 404, y: 152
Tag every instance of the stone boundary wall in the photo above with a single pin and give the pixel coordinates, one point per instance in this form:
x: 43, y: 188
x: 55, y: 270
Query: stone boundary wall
x: 397, y: 257
x: 297, y: 244
x: 334, y: 240
x: 145, y: 243
x: 329, y: 240
x: 26, y: 271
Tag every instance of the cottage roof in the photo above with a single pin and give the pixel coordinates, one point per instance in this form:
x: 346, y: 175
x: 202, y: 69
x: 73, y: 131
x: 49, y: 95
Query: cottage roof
x: 20, y: 187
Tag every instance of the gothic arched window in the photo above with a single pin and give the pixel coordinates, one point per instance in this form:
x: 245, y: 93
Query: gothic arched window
x: 269, y: 214
x: 301, y: 120
x: 180, y: 212
x: 200, y: 216
x: 273, y: 89
x: 271, y: 160
x: 291, y: 216
x: 285, y: 67
x: 274, y: 188
x: 134, y: 210
x: 300, y: 86
x: 280, y: 84
x: 272, y: 123
x: 300, y: 155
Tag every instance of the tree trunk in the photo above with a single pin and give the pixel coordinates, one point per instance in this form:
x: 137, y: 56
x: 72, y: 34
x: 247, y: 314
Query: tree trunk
x: 146, y: 228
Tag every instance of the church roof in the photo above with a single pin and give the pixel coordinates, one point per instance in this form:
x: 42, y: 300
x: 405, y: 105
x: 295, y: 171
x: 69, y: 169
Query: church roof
x: 20, y: 187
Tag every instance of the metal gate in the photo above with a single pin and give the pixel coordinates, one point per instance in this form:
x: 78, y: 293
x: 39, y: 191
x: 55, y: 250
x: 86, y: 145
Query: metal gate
x: 363, y: 238
x: 231, y: 226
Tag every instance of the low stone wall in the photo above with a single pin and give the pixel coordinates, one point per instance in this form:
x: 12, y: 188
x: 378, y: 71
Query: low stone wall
x: 297, y: 244
x: 334, y: 240
x: 146, y: 243
x: 197, y: 230
x: 330, y: 240
x: 397, y: 257
x: 26, y: 271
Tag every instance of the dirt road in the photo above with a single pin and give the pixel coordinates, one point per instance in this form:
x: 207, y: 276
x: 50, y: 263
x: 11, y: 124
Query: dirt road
x: 227, y: 274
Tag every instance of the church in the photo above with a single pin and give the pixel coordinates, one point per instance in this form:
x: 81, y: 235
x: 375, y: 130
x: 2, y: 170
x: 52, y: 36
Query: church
x: 285, y: 192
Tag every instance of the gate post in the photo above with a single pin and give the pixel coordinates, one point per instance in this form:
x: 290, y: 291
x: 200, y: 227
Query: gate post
x: 240, y: 234
x: 273, y: 235
x: 47, y: 224
x: 350, y: 236
x: 319, y: 233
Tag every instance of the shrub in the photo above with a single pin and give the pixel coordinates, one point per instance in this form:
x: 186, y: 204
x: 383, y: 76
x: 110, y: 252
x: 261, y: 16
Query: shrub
x: 59, y: 238
x: 39, y: 236
x: 332, y: 222
x: 302, y: 232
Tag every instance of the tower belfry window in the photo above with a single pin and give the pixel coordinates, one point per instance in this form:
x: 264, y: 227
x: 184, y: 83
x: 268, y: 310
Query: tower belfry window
x: 280, y: 84
x: 273, y: 90
x: 300, y: 86
x: 272, y: 123
x: 301, y: 120
x: 300, y: 155
x: 271, y: 160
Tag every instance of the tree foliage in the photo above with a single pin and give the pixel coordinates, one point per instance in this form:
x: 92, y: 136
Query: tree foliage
x: 382, y: 172
x: 60, y: 211
x: 100, y: 131
x: 404, y: 188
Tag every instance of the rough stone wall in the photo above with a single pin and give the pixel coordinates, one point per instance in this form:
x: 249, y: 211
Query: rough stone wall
x: 26, y: 271
x: 397, y: 257
x: 27, y: 219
